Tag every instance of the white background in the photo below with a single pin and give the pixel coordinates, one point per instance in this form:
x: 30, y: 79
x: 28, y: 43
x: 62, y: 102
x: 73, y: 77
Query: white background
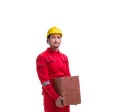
x: 91, y: 40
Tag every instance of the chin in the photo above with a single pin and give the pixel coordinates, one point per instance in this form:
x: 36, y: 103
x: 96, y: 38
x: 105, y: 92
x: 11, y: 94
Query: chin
x: 56, y: 47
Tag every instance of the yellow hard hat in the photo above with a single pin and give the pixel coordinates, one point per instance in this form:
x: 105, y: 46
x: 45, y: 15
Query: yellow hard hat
x: 53, y: 30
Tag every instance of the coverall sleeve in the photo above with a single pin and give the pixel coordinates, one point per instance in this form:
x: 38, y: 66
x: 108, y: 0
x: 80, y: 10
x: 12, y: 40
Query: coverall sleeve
x: 43, y: 76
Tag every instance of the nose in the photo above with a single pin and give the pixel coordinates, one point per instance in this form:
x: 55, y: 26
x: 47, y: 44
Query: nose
x: 56, y: 38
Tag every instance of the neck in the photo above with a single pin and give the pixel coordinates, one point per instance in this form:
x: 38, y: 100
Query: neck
x: 56, y: 49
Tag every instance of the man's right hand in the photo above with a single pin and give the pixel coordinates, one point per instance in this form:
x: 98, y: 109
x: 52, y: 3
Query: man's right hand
x: 59, y: 101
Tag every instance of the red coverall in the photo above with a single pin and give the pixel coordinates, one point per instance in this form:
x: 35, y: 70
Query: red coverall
x: 51, y: 64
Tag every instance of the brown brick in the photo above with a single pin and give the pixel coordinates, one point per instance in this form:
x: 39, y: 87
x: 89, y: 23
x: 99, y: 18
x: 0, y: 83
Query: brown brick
x: 69, y: 88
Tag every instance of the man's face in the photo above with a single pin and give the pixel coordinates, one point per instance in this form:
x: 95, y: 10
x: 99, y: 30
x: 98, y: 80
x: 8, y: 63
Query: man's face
x: 54, y: 41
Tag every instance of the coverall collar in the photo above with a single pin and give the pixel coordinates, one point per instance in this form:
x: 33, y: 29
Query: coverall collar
x: 52, y: 51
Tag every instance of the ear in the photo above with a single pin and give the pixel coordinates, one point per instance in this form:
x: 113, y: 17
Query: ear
x: 47, y: 41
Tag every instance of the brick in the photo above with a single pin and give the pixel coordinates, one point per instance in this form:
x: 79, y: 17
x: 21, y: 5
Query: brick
x: 69, y: 88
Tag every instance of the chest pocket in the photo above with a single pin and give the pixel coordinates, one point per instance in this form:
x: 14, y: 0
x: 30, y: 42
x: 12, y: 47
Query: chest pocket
x: 64, y: 59
x: 51, y: 65
x: 50, y: 60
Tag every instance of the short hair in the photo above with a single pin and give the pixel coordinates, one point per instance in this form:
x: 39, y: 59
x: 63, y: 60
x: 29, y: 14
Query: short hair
x: 48, y: 37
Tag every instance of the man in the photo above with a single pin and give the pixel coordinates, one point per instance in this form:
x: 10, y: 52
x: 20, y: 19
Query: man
x: 51, y: 64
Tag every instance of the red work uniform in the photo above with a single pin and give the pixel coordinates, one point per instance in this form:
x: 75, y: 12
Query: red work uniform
x: 51, y: 64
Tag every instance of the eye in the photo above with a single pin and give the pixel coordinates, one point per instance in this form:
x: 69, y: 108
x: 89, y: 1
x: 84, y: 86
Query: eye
x: 52, y: 37
x: 58, y: 37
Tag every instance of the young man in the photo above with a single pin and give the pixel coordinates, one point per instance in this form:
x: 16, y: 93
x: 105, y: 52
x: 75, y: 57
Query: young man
x: 51, y: 64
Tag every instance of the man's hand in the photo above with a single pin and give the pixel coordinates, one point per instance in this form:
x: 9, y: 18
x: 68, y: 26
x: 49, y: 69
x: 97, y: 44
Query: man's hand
x: 59, y: 101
